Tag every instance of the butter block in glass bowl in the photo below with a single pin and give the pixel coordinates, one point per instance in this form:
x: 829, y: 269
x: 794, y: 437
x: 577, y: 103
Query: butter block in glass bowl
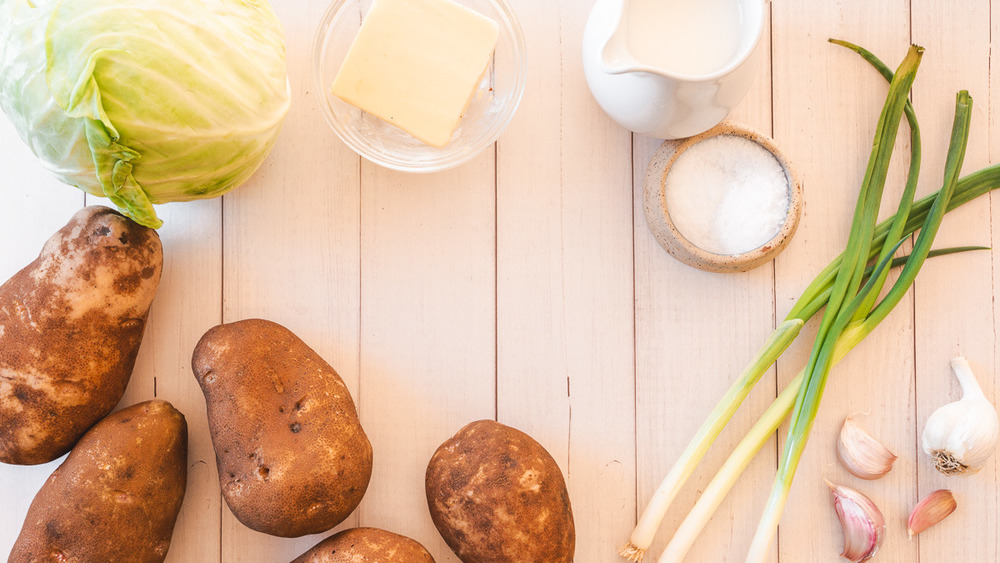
x: 419, y: 85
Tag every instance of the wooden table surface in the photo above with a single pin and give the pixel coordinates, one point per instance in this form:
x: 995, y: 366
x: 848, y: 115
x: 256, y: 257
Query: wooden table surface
x: 525, y: 287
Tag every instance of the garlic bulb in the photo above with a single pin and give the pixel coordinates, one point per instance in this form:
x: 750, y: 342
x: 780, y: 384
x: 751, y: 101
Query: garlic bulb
x: 862, y: 455
x: 862, y: 521
x: 962, y: 435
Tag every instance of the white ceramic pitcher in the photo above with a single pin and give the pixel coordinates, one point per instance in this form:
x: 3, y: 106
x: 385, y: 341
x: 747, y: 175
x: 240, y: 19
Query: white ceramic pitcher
x: 662, y: 102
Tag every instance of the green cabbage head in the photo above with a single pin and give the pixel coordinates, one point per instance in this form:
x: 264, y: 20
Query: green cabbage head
x: 145, y: 101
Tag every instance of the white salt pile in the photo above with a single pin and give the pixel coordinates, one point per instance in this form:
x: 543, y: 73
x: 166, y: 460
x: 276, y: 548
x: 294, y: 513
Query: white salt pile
x: 727, y: 195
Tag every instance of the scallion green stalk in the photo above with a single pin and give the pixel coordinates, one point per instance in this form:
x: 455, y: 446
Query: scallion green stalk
x: 817, y: 372
x: 969, y: 188
x: 762, y: 430
x: 908, y: 218
x: 656, y: 508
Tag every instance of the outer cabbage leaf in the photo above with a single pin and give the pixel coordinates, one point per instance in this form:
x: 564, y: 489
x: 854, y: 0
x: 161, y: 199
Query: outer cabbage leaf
x: 145, y: 101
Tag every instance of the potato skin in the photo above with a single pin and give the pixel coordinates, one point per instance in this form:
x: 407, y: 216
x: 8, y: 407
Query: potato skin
x: 292, y: 456
x: 70, y: 327
x: 366, y: 545
x: 117, y: 495
x: 497, y: 496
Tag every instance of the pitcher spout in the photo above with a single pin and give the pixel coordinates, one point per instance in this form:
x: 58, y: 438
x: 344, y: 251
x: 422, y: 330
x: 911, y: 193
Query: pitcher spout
x: 616, y: 58
x: 613, y: 53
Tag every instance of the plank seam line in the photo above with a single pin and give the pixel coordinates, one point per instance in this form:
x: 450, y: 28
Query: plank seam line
x: 913, y: 323
x: 635, y: 339
x: 989, y: 197
x: 774, y: 268
x: 562, y: 236
x: 222, y: 318
x: 496, y: 281
x: 359, y: 517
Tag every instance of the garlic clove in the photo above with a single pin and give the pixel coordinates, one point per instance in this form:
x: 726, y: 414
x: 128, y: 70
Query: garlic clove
x: 862, y: 455
x: 961, y: 436
x: 861, y: 520
x: 931, y: 510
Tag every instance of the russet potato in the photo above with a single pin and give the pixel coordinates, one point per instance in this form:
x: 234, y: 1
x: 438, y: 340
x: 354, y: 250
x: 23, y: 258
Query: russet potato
x: 70, y: 327
x: 497, y: 496
x: 292, y: 456
x: 117, y: 495
x: 366, y: 545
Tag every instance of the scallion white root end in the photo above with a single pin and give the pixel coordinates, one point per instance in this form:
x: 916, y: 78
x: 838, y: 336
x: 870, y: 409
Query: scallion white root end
x: 632, y: 553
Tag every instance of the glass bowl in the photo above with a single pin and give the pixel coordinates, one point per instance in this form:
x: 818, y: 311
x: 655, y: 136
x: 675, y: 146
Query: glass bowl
x: 490, y: 110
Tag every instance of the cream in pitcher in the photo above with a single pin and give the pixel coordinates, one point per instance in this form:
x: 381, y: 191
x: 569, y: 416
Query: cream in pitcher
x: 671, y: 68
x: 694, y: 38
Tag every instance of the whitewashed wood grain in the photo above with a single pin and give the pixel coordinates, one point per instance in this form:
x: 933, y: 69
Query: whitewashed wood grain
x: 291, y: 251
x: 427, y: 329
x: 989, y: 375
x: 954, y: 297
x: 695, y: 332
x: 827, y: 103
x: 525, y: 286
x: 564, y: 280
x: 188, y: 302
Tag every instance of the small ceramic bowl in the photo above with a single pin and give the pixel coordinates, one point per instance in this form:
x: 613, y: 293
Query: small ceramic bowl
x: 666, y: 233
x: 490, y: 110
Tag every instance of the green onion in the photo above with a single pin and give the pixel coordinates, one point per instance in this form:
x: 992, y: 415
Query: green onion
x: 656, y: 509
x: 841, y: 332
x: 811, y: 392
x: 839, y: 313
x: 751, y: 444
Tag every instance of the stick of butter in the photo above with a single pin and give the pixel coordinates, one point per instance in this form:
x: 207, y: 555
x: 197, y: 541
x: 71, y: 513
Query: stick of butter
x: 416, y: 65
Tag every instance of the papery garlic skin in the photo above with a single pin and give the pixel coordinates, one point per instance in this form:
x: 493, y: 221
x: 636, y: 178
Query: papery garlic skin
x: 862, y: 455
x: 862, y: 521
x: 962, y: 435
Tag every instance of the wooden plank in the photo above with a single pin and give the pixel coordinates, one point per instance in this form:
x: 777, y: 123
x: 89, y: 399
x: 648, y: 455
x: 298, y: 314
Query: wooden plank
x: 827, y: 102
x: 564, y: 280
x: 427, y: 329
x: 695, y: 332
x: 182, y: 311
x: 188, y: 303
x: 33, y: 206
x: 442, y: 299
x: 954, y: 298
x: 291, y: 252
x: 989, y: 375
